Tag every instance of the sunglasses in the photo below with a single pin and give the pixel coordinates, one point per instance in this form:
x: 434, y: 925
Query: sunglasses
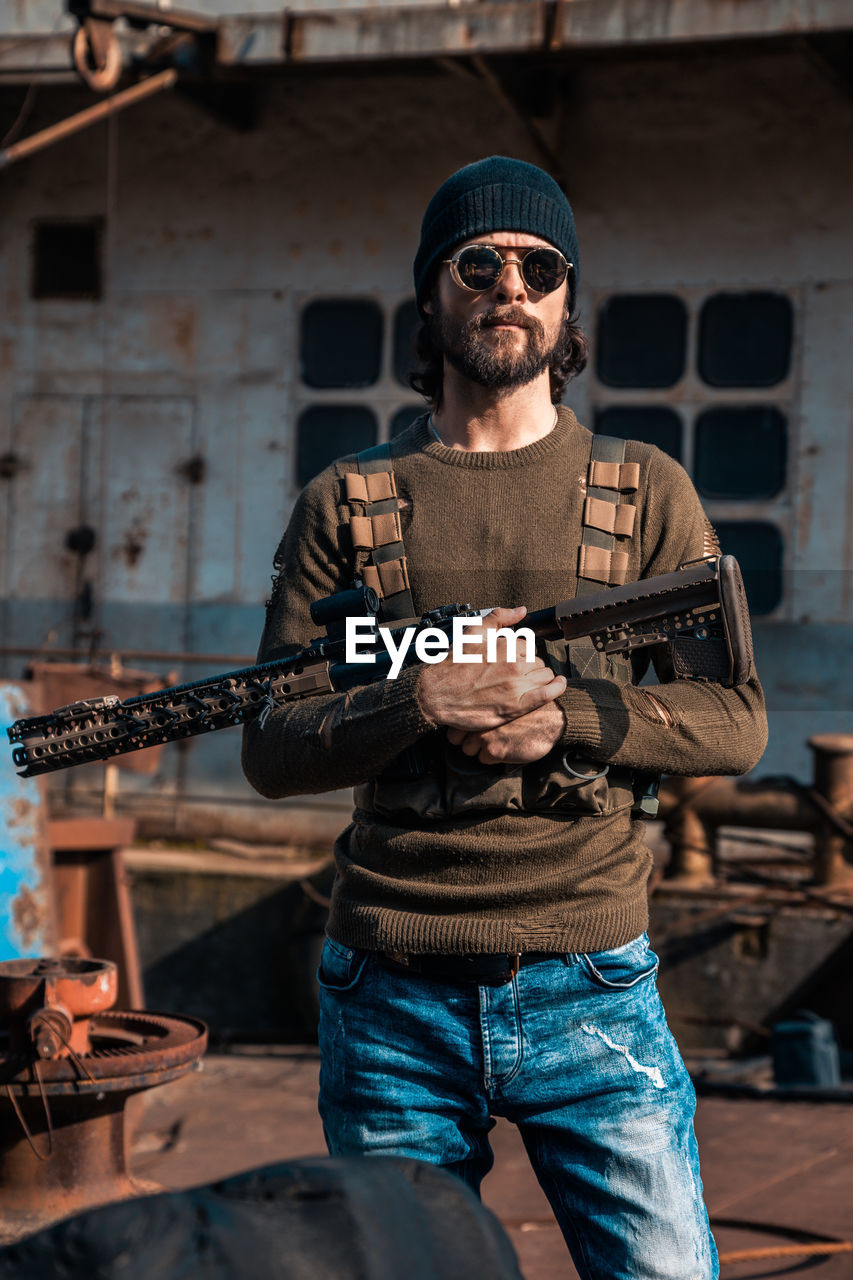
x: 480, y: 266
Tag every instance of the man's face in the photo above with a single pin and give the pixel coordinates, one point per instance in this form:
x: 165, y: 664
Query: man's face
x: 505, y: 336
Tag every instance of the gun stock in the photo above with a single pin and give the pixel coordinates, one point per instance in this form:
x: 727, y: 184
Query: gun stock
x: 700, y: 610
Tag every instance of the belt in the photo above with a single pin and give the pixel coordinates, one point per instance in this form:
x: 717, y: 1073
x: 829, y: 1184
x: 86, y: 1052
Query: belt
x: 482, y: 970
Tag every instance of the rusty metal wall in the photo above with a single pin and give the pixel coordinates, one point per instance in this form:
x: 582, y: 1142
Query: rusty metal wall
x: 162, y: 416
x: 34, y: 33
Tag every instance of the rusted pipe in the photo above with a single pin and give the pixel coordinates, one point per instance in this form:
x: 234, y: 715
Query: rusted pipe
x: 94, y: 656
x: 92, y: 115
x: 833, y: 780
x: 693, y: 810
x: 733, y: 802
x: 314, y: 826
x: 692, y: 845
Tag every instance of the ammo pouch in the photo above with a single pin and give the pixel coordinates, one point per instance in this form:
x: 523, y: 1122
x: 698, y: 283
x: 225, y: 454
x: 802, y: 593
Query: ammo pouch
x: 460, y: 786
x: 436, y: 781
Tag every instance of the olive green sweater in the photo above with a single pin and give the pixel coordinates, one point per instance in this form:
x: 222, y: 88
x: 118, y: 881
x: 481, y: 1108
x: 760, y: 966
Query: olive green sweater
x: 490, y: 529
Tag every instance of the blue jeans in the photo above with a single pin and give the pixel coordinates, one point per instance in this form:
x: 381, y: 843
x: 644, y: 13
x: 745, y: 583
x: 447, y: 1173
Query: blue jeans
x: 575, y: 1051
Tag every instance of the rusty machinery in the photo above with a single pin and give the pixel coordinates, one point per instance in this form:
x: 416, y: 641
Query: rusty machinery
x: 95, y: 49
x: 694, y: 810
x: 68, y: 1064
x: 172, y: 38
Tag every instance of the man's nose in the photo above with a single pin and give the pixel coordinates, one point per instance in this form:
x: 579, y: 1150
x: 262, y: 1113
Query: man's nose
x: 511, y: 284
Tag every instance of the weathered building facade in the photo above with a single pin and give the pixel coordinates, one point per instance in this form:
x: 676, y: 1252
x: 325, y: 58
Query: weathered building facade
x: 207, y: 298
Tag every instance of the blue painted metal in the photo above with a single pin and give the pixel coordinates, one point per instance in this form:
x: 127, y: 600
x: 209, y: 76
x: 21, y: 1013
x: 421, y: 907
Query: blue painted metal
x: 27, y: 926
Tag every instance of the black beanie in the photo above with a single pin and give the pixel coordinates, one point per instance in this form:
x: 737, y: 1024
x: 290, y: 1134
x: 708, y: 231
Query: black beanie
x: 497, y: 194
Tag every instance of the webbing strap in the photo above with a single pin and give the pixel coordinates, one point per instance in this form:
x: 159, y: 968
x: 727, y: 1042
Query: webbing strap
x: 606, y: 518
x: 376, y: 531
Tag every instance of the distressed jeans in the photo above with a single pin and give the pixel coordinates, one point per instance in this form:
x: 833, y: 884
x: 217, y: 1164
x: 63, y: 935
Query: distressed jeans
x: 575, y: 1051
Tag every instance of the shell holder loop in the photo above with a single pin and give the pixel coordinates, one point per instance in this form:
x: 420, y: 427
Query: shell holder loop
x: 608, y: 520
x: 376, y: 534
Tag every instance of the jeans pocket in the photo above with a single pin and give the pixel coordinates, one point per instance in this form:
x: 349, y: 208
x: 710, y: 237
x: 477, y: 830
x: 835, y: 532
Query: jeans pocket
x: 621, y: 968
x: 340, y: 967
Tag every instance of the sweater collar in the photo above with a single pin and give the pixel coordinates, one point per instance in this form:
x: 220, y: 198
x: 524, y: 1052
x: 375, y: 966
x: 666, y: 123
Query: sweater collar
x: 503, y: 459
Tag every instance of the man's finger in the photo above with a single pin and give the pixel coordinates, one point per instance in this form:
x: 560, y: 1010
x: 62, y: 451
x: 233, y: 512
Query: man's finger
x: 505, y: 617
x: 541, y: 693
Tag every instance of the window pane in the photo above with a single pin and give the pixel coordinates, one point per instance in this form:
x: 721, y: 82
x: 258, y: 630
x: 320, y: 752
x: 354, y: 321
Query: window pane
x: 66, y: 260
x: 406, y: 323
x: 404, y: 418
x: 325, y: 432
x: 341, y: 343
x: 741, y: 453
x: 745, y: 339
x: 641, y: 340
x: 757, y: 547
x: 658, y: 426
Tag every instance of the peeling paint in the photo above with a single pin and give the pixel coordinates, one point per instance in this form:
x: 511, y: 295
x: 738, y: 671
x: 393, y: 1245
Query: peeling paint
x: 19, y: 811
x: 653, y: 1073
x: 184, y: 333
x: 28, y: 915
x: 134, y: 545
x: 26, y: 906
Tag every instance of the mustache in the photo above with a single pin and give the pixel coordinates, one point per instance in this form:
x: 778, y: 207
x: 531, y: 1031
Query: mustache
x: 506, y: 315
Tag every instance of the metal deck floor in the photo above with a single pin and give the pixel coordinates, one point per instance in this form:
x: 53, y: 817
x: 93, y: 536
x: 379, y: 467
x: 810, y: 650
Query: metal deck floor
x: 785, y: 1163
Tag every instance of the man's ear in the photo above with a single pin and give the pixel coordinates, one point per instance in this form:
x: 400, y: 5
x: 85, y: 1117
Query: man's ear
x: 429, y: 306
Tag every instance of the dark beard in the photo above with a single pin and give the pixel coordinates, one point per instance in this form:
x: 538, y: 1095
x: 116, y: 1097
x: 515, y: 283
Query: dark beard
x: 496, y: 363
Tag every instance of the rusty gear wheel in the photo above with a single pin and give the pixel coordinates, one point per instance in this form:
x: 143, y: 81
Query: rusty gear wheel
x: 130, y: 1051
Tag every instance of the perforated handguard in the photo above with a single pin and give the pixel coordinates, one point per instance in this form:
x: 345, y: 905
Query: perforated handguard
x: 99, y: 728
x: 700, y: 611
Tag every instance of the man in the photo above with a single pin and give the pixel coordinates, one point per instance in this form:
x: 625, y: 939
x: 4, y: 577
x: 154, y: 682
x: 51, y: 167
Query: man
x: 485, y: 952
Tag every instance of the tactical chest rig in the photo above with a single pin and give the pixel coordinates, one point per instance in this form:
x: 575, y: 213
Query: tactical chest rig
x: 434, y: 780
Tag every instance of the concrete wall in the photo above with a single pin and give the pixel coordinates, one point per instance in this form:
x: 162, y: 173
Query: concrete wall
x: 693, y: 174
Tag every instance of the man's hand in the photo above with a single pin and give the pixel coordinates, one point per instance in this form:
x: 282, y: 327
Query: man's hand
x: 520, y: 741
x: 478, y: 697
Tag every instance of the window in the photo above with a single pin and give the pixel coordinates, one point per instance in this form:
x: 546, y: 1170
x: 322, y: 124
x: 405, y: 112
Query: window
x: 741, y: 453
x: 67, y: 259
x: 653, y: 424
x: 406, y: 324
x: 328, y: 431
x: 641, y: 340
x: 757, y: 546
x: 745, y: 339
x: 355, y: 354
x: 689, y: 371
x: 341, y: 343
